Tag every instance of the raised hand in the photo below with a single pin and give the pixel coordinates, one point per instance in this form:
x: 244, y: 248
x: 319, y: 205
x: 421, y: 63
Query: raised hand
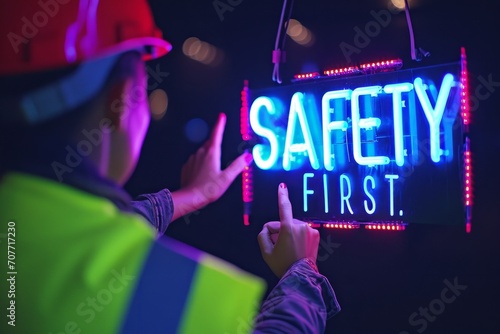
x: 284, y: 242
x: 202, y: 180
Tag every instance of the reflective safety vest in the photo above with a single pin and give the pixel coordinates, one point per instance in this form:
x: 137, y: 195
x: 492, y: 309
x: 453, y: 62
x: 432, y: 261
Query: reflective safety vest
x: 79, y: 265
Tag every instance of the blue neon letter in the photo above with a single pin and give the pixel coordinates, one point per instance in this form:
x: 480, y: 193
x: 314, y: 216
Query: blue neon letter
x: 391, y: 179
x: 397, y: 105
x: 345, y: 198
x: 307, y: 147
x: 328, y: 126
x: 325, y: 192
x: 260, y: 150
x: 370, y: 196
x: 434, y: 115
x: 366, y: 123
x: 306, y: 190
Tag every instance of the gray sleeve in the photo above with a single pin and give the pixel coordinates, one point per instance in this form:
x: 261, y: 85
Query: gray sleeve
x: 301, y: 302
x: 157, y: 208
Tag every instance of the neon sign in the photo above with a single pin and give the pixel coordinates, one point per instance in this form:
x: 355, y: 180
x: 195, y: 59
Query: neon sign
x: 386, y: 147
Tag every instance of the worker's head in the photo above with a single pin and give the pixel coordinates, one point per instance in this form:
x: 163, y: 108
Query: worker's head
x: 72, y: 73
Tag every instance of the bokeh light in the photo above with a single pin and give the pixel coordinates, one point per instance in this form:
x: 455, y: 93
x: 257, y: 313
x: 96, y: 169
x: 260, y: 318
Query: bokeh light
x: 158, y: 103
x: 400, y: 4
x: 196, y: 130
x: 299, y: 33
x: 201, y: 51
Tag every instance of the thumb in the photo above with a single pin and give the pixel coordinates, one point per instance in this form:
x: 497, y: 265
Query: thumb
x: 265, y: 242
x: 265, y: 237
x: 285, y: 207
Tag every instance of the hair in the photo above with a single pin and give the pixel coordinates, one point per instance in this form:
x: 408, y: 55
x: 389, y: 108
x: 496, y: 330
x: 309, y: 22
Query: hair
x: 23, y: 144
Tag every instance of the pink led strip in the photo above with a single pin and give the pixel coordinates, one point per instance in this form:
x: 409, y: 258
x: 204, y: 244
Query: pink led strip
x: 466, y: 117
x: 368, y: 68
x: 246, y: 135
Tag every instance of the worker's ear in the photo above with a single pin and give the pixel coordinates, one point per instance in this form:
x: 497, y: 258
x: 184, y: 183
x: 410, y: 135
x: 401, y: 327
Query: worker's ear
x: 124, y: 91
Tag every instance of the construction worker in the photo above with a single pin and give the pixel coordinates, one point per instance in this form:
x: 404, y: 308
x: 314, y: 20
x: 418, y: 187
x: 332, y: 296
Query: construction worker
x: 81, y: 256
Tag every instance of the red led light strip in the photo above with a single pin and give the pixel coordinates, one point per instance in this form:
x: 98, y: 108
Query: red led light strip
x: 464, y: 101
x: 247, y: 192
x: 368, y: 68
x: 244, y: 113
x: 381, y: 66
x: 466, y: 118
x: 386, y: 226
x: 335, y: 225
x: 342, y: 71
x: 468, y: 186
x: 246, y: 135
x: 343, y: 225
x: 304, y: 76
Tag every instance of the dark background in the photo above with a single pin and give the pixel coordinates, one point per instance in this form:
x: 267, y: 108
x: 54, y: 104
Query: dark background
x: 380, y: 279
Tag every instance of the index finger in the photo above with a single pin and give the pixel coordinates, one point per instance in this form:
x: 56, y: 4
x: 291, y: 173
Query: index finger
x: 218, y: 131
x: 285, y: 207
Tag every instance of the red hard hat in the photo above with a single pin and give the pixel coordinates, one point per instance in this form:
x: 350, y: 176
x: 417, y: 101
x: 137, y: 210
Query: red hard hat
x: 47, y: 34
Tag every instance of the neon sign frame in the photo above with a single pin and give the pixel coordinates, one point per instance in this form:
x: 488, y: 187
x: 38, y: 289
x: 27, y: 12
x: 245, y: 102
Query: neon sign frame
x: 339, y: 129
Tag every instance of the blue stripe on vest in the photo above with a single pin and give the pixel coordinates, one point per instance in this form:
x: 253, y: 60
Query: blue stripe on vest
x: 158, y: 303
